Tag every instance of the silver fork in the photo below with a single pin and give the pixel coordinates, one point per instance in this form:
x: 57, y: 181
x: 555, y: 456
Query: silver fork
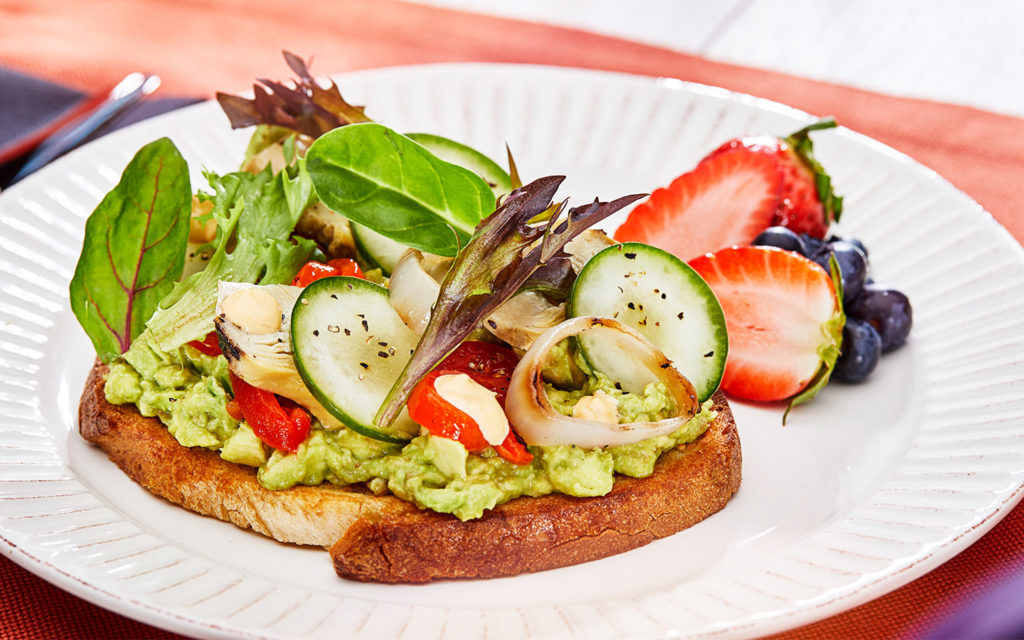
x: 128, y: 91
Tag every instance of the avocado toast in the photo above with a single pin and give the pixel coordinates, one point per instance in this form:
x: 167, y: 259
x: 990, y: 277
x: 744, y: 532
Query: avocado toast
x: 441, y: 403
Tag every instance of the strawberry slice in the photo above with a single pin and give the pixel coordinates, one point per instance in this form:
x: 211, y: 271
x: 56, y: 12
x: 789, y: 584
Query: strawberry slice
x: 784, y: 319
x: 807, y: 203
x: 728, y: 199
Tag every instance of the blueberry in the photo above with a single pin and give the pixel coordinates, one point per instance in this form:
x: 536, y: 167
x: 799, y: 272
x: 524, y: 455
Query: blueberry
x: 862, y: 347
x: 853, y: 266
x: 782, y: 238
x: 854, y: 241
x: 860, y: 245
x: 813, y: 244
x: 888, y: 311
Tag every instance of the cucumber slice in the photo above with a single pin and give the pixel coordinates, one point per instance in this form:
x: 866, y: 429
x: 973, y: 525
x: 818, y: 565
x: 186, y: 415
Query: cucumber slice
x: 660, y: 296
x: 378, y: 250
x: 466, y: 157
x: 350, y: 345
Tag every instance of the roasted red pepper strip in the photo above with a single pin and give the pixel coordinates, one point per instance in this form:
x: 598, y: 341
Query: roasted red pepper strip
x: 313, y: 271
x: 281, y: 429
x: 489, y: 365
x: 234, y: 409
x: 441, y: 418
x: 209, y: 345
x: 513, y: 450
x: 346, y: 267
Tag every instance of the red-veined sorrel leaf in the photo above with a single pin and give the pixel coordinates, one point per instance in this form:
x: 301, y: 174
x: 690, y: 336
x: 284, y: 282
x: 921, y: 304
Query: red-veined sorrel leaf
x: 134, y: 248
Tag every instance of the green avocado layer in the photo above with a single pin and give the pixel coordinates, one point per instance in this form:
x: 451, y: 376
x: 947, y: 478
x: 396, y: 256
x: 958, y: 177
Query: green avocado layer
x: 188, y: 392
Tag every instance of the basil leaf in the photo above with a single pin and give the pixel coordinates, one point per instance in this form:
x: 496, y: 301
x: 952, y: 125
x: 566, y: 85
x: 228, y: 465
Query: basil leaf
x: 134, y: 248
x: 383, y: 180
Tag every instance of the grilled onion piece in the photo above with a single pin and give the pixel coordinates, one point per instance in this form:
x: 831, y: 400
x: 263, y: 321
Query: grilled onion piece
x: 538, y: 423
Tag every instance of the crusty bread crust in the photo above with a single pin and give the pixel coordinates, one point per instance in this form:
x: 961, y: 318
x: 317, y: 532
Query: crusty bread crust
x: 386, y: 539
x: 202, y: 481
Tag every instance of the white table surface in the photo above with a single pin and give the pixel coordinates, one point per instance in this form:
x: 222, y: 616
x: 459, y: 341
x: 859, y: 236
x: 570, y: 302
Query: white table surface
x: 968, y: 52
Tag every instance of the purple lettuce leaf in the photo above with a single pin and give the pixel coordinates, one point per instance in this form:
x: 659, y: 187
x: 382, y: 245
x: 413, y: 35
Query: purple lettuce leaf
x: 308, y: 107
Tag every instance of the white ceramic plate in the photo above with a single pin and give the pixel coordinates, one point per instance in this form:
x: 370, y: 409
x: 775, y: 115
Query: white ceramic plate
x: 866, y: 488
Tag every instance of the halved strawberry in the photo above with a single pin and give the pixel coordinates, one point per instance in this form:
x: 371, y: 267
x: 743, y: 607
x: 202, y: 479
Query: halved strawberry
x: 807, y: 203
x: 784, y: 319
x: 726, y: 200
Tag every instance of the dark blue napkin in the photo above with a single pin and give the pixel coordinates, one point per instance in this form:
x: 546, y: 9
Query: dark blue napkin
x: 27, y: 102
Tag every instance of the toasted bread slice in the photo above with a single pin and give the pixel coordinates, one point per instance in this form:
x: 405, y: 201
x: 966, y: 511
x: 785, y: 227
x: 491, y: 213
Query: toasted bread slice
x: 386, y: 539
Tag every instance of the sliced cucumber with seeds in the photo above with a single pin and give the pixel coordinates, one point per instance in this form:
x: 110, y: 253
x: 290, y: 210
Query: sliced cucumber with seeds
x: 350, y: 345
x: 660, y: 296
x: 468, y: 158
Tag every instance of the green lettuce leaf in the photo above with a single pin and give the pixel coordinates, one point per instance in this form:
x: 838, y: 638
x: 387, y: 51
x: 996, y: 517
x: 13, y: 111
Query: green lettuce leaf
x: 255, y: 216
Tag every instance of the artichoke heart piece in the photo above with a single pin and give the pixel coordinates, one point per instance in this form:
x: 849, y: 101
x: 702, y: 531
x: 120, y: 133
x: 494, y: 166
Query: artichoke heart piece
x: 523, y: 318
x: 265, y: 360
x: 528, y: 314
x: 585, y: 246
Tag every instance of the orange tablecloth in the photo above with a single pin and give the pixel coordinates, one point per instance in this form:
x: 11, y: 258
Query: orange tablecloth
x: 200, y: 47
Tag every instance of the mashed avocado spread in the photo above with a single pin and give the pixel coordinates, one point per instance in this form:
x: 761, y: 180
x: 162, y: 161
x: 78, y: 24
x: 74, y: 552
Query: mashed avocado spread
x: 188, y: 391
